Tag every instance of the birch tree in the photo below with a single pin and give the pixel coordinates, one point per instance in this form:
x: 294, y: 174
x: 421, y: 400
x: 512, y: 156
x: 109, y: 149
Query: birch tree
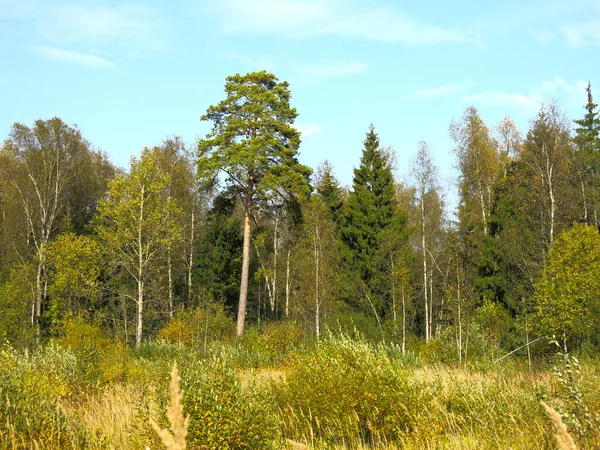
x: 137, y: 222
x: 50, y: 175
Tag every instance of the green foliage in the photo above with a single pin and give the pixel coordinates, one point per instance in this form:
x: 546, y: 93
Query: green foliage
x: 220, y: 251
x: 199, y: 327
x: 137, y: 222
x: 253, y: 141
x: 33, y: 387
x: 371, y: 208
x: 345, y: 390
x: 571, y: 402
x: 100, y: 360
x: 567, y: 299
x: 17, y: 296
x: 225, y: 410
x: 75, y: 264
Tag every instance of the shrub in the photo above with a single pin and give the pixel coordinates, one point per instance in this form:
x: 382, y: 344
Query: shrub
x: 31, y: 389
x: 224, y: 412
x: 199, y: 327
x: 100, y: 359
x: 347, y: 391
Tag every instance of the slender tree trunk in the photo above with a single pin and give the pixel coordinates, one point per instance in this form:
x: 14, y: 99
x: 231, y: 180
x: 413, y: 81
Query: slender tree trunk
x: 403, y: 319
x: 394, y: 315
x: 585, y: 210
x: 459, y: 337
x: 431, y: 314
x: 425, y: 283
x: 140, y: 273
x: 287, y: 284
x: 275, y: 253
x: 140, y: 312
x: 170, y: 276
x: 241, y: 316
x: 191, y: 257
x: 317, y: 250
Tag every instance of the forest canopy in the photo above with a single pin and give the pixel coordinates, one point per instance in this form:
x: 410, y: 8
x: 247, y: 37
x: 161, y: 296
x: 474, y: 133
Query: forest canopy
x: 237, y: 226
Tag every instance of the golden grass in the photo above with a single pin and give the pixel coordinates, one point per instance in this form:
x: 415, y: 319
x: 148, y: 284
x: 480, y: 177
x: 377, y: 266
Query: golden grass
x: 564, y: 439
x: 112, y: 414
x: 174, y: 439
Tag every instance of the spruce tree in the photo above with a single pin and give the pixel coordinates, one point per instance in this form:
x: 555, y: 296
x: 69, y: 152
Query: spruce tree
x: 370, y: 209
x: 587, y: 158
x: 328, y: 188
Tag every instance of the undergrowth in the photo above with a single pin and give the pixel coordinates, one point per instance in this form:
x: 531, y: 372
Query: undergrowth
x: 340, y: 393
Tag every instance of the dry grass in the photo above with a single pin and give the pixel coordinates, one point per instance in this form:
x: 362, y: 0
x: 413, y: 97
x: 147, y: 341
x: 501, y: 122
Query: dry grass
x: 113, y: 414
x: 174, y: 439
x: 564, y: 439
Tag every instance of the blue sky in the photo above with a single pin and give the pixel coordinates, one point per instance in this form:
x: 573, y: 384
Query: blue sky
x: 131, y: 73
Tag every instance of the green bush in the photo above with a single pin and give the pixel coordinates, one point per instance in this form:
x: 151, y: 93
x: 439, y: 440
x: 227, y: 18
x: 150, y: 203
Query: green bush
x: 100, y: 360
x: 348, y: 391
x: 225, y: 411
x: 32, y: 390
x: 199, y: 327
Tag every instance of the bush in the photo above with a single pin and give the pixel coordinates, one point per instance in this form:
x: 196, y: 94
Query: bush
x: 347, y: 390
x: 224, y: 411
x: 199, y: 327
x: 32, y: 387
x: 100, y: 360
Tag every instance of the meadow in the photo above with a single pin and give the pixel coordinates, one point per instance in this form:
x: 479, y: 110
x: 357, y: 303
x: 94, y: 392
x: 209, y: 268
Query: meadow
x: 274, y: 389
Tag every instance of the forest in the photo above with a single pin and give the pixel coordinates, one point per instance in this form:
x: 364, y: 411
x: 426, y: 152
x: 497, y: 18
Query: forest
x: 301, y: 313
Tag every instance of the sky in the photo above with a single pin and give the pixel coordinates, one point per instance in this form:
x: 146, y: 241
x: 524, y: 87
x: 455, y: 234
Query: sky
x: 130, y: 73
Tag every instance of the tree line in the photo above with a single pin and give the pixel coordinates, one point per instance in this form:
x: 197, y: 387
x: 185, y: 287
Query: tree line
x: 238, y: 226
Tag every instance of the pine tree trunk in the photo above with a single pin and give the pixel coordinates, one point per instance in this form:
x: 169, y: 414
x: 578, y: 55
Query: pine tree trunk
x: 241, y: 316
x: 287, y: 284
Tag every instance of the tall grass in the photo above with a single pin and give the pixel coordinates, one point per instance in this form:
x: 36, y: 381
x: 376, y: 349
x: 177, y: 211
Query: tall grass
x: 343, y: 393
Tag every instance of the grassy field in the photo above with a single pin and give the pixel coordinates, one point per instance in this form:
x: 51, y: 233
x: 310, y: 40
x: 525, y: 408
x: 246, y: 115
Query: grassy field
x: 340, y: 394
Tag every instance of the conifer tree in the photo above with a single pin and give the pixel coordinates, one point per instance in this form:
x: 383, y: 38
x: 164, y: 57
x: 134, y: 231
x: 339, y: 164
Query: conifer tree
x: 370, y: 210
x: 587, y: 158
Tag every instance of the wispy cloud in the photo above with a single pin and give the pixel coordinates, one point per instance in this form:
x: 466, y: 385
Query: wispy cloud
x: 542, y: 36
x: 530, y: 101
x: 307, y: 130
x: 438, y: 91
x: 121, y: 27
x: 71, y: 57
x: 587, y: 33
x: 346, y: 19
x: 132, y: 25
x: 321, y: 72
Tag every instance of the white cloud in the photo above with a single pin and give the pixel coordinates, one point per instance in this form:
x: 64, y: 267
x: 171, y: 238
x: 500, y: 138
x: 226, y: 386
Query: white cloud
x: 133, y: 24
x: 307, y: 130
x: 558, y: 89
x: 338, y: 18
x: 438, y: 91
x: 70, y: 57
x: 583, y: 34
x: 130, y: 27
x: 542, y: 36
x: 323, y: 72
